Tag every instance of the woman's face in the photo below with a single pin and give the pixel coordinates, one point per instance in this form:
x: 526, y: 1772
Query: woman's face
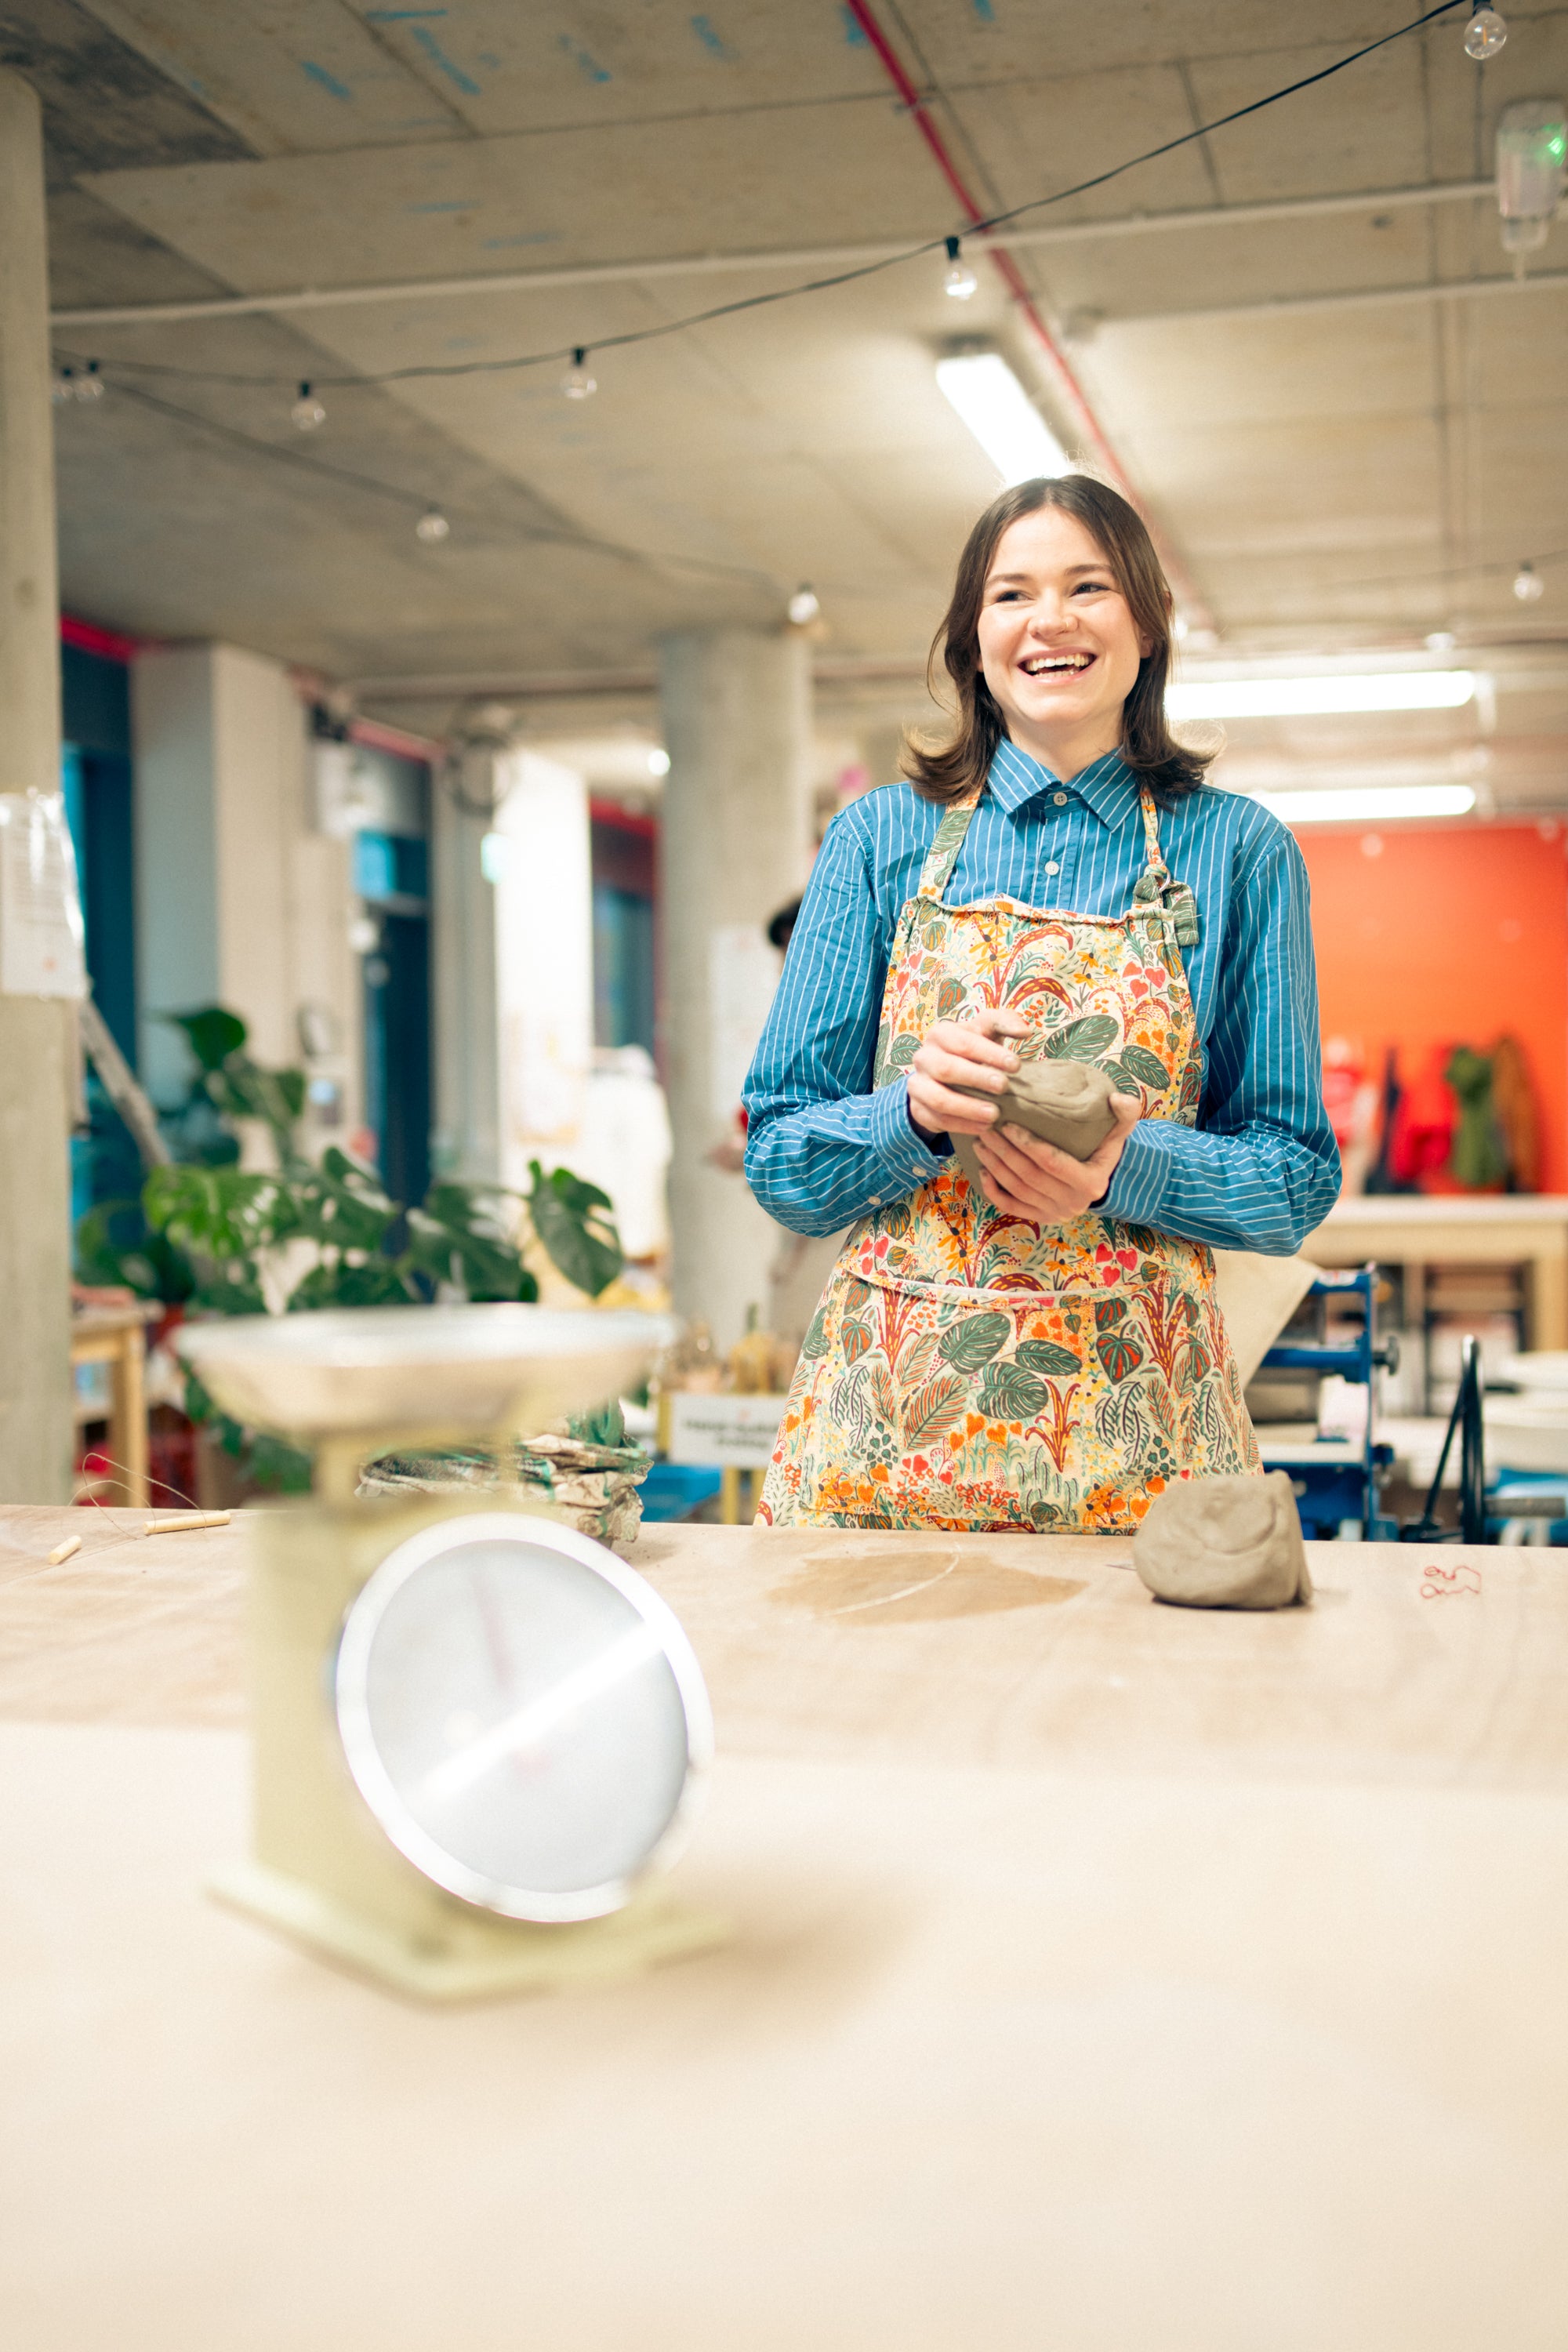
x: 1058, y: 646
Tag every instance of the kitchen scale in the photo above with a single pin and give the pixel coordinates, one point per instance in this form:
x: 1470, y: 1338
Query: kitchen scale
x: 477, y: 1734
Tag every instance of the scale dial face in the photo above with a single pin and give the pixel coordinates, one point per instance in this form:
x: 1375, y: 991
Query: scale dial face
x: 523, y: 1715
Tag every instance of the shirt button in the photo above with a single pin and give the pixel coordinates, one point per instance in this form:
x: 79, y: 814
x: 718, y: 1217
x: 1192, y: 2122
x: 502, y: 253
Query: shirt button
x: 876, y: 1200
x: 1060, y: 799
x: 1051, y: 866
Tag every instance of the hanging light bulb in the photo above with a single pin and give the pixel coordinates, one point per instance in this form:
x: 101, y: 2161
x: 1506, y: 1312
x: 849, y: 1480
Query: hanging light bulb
x: 89, y: 385
x: 307, y: 412
x: 577, y: 383
x: 1484, y: 35
x: 958, y: 279
x: 432, y: 526
x: 804, y: 605
x: 62, y: 386
x: 1528, y: 584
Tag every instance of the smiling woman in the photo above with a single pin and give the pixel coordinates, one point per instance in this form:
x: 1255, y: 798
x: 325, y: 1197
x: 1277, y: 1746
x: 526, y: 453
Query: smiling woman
x: 1040, y: 1348
x: 1081, y: 540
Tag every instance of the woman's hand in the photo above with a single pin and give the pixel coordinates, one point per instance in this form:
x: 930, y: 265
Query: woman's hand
x: 1031, y: 1178
x: 962, y: 1053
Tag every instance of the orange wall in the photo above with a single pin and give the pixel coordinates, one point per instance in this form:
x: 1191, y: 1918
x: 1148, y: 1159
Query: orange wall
x: 1445, y: 936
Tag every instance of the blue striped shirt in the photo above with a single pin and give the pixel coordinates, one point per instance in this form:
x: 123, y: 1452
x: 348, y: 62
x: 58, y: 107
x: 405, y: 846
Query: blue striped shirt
x: 1259, y: 1169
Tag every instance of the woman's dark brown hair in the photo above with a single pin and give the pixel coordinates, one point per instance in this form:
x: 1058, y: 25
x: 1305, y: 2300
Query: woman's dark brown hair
x: 947, y: 771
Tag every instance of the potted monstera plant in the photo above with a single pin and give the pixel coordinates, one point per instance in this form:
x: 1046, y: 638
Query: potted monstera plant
x: 206, y: 1236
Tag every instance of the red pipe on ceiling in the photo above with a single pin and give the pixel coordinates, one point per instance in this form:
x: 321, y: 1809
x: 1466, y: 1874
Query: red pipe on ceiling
x: 1065, y: 384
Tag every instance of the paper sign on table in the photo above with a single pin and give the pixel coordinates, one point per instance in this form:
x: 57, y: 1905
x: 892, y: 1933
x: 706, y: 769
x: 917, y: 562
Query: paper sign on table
x: 724, y: 1432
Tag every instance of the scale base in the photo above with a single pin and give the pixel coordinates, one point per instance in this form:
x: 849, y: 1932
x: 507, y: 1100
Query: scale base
x: 478, y: 1955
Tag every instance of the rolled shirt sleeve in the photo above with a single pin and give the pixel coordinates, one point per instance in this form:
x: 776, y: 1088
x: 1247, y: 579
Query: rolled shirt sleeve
x: 1261, y: 1168
x: 823, y: 1148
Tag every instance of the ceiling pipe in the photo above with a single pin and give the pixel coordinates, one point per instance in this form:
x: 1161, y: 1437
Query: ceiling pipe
x: 1361, y: 298
x: 709, y: 265
x: 1064, y: 383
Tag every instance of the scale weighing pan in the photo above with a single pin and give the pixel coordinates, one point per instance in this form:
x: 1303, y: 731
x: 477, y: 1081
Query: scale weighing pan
x: 405, y: 1375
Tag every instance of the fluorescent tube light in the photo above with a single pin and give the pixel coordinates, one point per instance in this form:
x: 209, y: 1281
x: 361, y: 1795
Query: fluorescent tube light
x: 1001, y: 415
x: 1332, y: 806
x: 1294, y: 698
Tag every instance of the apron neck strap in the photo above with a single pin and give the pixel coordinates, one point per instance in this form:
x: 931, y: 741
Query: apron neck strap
x: 1150, y: 830
x: 942, y: 855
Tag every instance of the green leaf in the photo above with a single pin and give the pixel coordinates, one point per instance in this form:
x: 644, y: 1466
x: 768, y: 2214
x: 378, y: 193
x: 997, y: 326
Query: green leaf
x: 227, y: 1294
x: 481, y: 1265
x: 903, y: 1050
x: 1009, y: 1392
x: 212, y: 1034
x: 973, y: 1339
x: 337, y: 1282
x: 341, y: 1205
x: 582, y: 1242
x: 1044, y: 1356
x: 1120, y: 1352
x: 222, y: 1213
x: 854, y: 1338
x: 1081, y: 1039
x: 815, y: 1343
x: 113, y: 1244
x: 281, y: 1468
x: 950, y: 999
x: 1146, y: 1067
x: 932, y: 1411
x: 464, y: 1235
x: 1107, y: 1313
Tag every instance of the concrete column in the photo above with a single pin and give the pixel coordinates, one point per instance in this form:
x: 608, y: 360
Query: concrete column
x: 242, y: 898
x: 36, y: 1433
x: 736, y: 843
x: 466, y: 1137
x: 544, y: 962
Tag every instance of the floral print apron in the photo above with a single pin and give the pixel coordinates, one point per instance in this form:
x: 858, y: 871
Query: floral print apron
x: 967, y: 1368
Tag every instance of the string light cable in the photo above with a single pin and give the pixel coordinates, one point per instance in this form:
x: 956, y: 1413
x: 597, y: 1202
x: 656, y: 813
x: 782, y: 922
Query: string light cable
x: 576, y: 354
x: 428, y: 515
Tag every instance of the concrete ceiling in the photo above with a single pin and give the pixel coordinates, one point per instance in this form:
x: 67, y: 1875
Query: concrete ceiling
x: 1327, y: 479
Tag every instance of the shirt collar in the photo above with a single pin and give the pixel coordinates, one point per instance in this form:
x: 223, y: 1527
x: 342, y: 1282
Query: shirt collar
x: 1106, y: 788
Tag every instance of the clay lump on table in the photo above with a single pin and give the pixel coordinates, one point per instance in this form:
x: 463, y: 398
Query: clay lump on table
x: 1225, y: 1543
x: 1062, y: 1102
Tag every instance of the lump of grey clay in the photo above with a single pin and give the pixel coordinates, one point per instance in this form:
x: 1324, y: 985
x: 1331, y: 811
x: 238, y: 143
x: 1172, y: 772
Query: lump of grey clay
x: 1225, y: 1543
x: 1063, y: 1103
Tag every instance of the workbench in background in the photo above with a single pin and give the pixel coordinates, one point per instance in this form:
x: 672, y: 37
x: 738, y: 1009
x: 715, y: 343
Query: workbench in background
x: 1437, y: 1229
x: 1104, y: 1975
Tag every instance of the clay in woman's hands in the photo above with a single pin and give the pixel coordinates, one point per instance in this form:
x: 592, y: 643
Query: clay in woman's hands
x: 1225, y: 1543
x: 1063, y: 1103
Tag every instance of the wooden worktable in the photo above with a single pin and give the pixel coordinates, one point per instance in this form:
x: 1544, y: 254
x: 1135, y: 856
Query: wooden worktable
x: 1105, y: 1975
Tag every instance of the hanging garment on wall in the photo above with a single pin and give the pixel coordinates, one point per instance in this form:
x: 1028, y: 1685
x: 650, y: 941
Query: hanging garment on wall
x: 1380, y: 1177
x: 1517, y: 1113
x: 1477, y: 1158
x: 1424, y: 1127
